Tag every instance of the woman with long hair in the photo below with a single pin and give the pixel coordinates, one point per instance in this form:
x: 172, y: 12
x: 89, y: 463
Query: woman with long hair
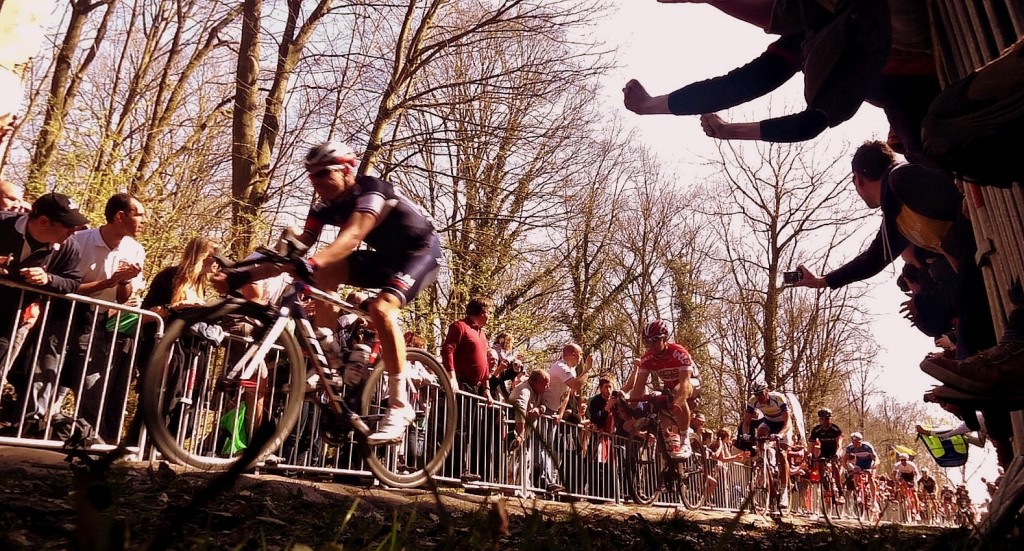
x: 192, y: 275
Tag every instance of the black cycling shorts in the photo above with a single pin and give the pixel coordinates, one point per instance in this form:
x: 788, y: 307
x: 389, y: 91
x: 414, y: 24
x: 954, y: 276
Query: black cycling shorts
x: 402, y: 275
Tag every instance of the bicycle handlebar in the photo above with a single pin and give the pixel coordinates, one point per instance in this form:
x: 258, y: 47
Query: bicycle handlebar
x: 294, y: 256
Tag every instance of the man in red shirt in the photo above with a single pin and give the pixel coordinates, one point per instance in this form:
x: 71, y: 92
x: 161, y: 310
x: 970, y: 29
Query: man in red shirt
x: 464, y: 354
x: 464, y: 351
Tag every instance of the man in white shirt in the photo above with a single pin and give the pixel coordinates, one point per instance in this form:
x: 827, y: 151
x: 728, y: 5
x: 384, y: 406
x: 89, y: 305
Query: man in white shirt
x: 564, y: 382
x: 111, y: 267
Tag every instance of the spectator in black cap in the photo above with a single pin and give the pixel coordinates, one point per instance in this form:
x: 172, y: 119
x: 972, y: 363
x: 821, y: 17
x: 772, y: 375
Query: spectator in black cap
x: 35, y: 249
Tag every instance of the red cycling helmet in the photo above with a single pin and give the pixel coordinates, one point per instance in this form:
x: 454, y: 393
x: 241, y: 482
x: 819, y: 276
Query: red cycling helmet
x: 656, y: 329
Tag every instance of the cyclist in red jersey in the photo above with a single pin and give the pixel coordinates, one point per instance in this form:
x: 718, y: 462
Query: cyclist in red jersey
x: 673, y: 365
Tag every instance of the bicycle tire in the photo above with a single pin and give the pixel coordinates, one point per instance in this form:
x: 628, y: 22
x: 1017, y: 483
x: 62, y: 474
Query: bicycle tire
x: 436, y: 397
x: 693, y: 479
x: 188, y: 445
x: 644, y: 471
x: 775, y: 490
x: 757, y: 489
x: 827, y: 498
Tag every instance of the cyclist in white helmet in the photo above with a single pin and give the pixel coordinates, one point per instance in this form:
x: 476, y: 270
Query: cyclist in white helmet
x: 403, y: 258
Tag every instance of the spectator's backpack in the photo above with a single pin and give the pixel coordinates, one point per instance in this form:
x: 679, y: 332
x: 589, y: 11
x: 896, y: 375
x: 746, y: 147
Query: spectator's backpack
x: 975, y: 127
x: 947, y: 452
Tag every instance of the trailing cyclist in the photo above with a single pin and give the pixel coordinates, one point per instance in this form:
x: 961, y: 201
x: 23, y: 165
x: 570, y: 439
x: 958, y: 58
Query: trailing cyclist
x: 861, y: 458
x: 905, y: 473
x: 678, y: 374
x: 826, y: 440
x: 403, y: 259
x: 926, y: 486
x: 775, y: 408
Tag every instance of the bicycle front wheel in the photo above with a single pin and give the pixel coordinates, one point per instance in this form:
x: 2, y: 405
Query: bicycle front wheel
x: 757, y: 490
x: 693, y: 478
x: 428, y: 440
x: 644, y: 470
x: 196, y: 411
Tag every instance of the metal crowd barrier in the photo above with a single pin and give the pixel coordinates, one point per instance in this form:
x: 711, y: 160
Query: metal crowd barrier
x: 52, y: 387
x: 70, y: 365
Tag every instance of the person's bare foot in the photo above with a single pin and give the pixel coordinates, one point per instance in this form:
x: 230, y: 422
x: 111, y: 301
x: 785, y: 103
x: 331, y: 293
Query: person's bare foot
x: 635, y: 97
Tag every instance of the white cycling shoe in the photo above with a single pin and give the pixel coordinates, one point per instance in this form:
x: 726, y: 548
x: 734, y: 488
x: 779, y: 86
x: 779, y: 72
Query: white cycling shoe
x: 392, y: 427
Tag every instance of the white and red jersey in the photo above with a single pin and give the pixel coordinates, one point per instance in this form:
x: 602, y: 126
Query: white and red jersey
x: 670, y: 364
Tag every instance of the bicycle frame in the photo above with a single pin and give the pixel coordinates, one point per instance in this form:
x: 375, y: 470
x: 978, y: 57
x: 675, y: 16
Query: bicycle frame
x: 828, y: 484
x: 863, y: 495
x: 291, y: 313
x: 673, y: 474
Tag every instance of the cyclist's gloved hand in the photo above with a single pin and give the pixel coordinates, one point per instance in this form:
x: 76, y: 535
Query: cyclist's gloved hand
x: 776, y: 437
x: 305, y: 268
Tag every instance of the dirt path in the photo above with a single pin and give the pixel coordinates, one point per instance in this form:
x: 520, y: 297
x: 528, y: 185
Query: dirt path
x: 45, y: 504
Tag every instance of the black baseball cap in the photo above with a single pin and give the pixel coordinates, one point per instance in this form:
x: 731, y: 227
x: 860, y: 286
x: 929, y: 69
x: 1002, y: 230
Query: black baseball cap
x: 60, y: 208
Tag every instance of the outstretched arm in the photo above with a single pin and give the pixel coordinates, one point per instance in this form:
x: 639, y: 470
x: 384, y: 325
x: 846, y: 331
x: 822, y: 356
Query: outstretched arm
x: 762, y: 75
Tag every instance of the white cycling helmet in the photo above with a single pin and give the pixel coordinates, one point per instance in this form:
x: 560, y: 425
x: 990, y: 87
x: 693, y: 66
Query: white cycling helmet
x: 330, y: 154
x: 902, y: 456
x: 856, y: 437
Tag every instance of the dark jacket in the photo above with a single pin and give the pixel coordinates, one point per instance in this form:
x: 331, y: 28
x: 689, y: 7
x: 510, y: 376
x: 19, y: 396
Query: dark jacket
x: 920, y: 206
x: 60, y: 262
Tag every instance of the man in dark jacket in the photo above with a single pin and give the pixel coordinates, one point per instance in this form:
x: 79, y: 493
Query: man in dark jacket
x: 36, y: 250
x: 922, y: 207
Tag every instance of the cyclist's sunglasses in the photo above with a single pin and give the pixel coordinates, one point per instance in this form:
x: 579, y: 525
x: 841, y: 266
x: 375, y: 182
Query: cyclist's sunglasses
x: 323, y: 172
x: 652, y: 340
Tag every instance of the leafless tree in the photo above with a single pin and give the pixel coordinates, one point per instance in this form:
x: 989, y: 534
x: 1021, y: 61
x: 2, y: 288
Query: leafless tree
x: 68, y: 73
x: 777, y: 203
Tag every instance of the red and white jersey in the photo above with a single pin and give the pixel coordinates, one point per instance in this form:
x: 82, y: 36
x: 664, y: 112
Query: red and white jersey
x: 669, y: 364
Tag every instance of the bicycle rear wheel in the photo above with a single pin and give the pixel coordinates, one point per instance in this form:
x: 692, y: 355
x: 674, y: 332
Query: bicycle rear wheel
x: 428, y: 440
x: 194, y: 413
x: 644, y: 470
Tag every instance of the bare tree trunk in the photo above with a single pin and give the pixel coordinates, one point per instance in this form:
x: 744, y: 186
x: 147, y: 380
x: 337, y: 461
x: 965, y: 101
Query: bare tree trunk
x: 64, y: 86
x: 252, y: 153
x: 245, y: 188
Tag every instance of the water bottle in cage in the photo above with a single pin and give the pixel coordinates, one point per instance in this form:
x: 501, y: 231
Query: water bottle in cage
x: 356, y: 365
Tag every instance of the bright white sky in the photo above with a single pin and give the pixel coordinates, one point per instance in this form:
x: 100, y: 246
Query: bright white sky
x: 666, y: 46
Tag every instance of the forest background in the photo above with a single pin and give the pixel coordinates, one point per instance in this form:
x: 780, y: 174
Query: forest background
x: 503, y: 118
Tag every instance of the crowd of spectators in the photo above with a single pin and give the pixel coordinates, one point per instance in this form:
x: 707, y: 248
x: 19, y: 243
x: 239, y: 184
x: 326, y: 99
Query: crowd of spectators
x: 873, y: 51
x: 52, y: 348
